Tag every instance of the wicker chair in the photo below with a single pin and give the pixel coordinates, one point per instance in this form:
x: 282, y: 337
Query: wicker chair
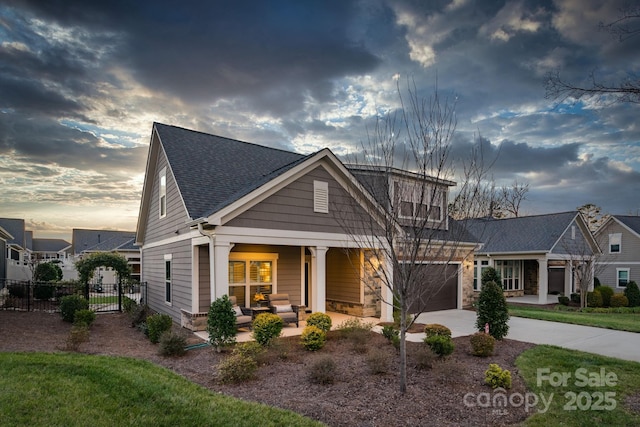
x: 242, y: 320
x: 279, y: 304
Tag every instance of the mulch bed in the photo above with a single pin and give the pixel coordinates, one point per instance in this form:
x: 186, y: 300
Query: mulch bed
x: 357, y: 397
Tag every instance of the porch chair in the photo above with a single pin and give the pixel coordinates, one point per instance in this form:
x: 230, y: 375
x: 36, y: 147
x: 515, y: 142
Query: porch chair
x: 279, y: 304
x: 244, y: 316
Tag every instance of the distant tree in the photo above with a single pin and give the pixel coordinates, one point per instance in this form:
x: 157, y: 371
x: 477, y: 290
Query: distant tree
x: 47, y: 272
x: 511, y: 197
x: 491, y: 202
x: 593, y: 216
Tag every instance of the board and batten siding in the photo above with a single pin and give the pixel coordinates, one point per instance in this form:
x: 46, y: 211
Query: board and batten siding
x: 343, y: 275
x: 291, y: 208
x: 573, y: 247
x: 153, y: 273
x: 204, y: 280
x: 629, y: 257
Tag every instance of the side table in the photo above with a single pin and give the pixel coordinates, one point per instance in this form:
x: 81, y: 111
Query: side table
x: 259, y: 310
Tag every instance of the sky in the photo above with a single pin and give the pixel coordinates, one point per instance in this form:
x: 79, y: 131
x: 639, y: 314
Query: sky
x: 81, y: 84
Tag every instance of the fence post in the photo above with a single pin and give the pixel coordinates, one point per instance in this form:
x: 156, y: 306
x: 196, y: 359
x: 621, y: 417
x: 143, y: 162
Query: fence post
x: 28, y: 295
x: 119, y: 295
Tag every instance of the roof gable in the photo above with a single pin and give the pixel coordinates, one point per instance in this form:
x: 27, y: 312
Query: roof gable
x: 16, y: 228
x: 631, y: 223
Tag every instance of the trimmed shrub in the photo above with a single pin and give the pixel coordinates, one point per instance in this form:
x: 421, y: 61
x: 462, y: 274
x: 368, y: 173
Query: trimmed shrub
x: 440, y: 345
x: 594, y: 299
x: 70, y: 304
x: 266, y: 327
x: 43, y: 291
x: 47, y: 272
x: 482, y: 344
x: 490, y: 274
x: 606, y: 293
x: 378, y: 362
x: 320, y: 320
x: 492, y: 309
x: 84, y: 317
x: 221, y: 323
x: 236, y: 368
x: 496, y: 377
x: 158, y: 324
x: 435, y: 329
x: 313, y: 338
x: 633, y: 294
x: 249, y: 349
x: 563, y: 300
x: 619, y: 300
x: 323, y: 371
x: 575, y: 298
x: 172, y: 344
x: 596, y: 282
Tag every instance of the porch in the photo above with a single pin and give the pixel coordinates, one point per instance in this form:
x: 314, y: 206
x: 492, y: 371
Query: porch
x: 533, y: 299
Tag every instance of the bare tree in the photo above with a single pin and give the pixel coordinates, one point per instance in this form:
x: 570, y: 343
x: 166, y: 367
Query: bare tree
x: 513, y: 196
x: 581, y: 253
x: 405, y: 165
x: 627, y: 90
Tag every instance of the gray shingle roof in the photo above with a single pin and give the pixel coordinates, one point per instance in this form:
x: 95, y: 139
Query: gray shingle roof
x: 102, y: 240
x: 213, y: 172
x: 49, y: 245
x: 16, y: 228
x: 537, y: 233
x: 633, y: 222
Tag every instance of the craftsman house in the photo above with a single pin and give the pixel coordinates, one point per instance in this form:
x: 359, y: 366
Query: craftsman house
x: 220, y: 216
x: 619, y: 239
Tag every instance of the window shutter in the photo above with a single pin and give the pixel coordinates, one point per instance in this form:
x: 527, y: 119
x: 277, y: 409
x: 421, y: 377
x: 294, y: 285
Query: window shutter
x: 320, y: 197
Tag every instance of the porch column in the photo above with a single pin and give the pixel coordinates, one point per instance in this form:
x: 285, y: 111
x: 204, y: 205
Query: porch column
x: 543, y: 280
x: 195, y: 279
x: 220, y: 272
x: 319, y: 284
x: 568, y: 278
x: 386, y: 291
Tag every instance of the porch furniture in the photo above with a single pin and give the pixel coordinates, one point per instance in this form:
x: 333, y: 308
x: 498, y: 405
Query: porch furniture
x: 259, y: 310
x: 244, y: 316
x: 279, y: 304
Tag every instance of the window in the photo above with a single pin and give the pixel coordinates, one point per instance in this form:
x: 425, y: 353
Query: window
x: 477, y: 273
x: 167, y: 279
x: 615, y: 243
x: 260, y: 277
x: 320, y: 197
x: 510, y: 272
x: 623, y: 277
x: 416, y: 201
x: 163, y: 193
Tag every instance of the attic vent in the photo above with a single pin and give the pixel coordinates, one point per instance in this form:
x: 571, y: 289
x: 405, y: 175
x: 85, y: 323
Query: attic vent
x: 320, y: 197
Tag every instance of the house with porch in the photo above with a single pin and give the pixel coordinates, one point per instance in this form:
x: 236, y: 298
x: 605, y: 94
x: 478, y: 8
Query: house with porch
x: 535, y: 255
x: 619, y: 239
x: 220, y: 216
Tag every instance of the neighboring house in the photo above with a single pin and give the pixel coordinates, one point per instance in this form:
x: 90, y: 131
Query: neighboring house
x: 123, y: 242
x: 619, y: 239
x: 45, y: 250
x: 5, y: 236
x: 17, y: 253
x: 535, y: 255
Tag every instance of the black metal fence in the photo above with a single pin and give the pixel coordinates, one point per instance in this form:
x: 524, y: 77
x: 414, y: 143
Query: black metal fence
x: 45, y: 296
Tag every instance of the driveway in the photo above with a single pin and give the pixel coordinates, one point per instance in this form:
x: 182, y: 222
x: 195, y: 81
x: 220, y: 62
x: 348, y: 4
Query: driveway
x: 606, y: 342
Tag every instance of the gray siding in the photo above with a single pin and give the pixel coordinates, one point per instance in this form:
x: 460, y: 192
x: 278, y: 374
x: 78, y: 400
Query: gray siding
x: 204, y: 278
x: 291, y: 208
x: 343, y: 276
x: 576, y: 247
x: 153, y: 274
x: 629, y: 257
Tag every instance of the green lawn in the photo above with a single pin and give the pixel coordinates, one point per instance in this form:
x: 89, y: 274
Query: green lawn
x: 589, y: 397
x: 41, y: 389
x: 103, y: 300
x: 620, y: 321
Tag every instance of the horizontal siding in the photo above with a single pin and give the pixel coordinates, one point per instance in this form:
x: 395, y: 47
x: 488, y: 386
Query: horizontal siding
x: 607, y: 274
x: 568, y: 246
x: 291, y: 208
x: 630, y: 248
x: 153, y: 274
x: 343, y: 276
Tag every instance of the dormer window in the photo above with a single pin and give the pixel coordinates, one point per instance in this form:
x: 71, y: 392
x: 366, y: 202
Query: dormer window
x: 162, y: 199
x: 418, y: 201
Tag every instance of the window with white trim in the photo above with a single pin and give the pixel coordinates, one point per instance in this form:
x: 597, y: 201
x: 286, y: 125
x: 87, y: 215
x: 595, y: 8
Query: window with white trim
x: 167, y: 278
x: 615, y: 243
x: 320, y: 196
x: 162, y: 193
x: 622, y: 277
x: 510, y: 271
x: 477, y: 273
x: 418, y: 201
x: 251, y: 274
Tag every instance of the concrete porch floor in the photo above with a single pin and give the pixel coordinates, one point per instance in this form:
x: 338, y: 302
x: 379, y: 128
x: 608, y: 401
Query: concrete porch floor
x: 533, y: 299
x: 290, y: 330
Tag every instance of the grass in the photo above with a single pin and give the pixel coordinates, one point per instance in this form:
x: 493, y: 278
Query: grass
x: 575, y: 403
x: 41, y: 389
x: 619, y: 321
x: 104, y: 300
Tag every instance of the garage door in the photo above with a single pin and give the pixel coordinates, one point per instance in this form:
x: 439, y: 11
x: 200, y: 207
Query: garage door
x: 439, y: 290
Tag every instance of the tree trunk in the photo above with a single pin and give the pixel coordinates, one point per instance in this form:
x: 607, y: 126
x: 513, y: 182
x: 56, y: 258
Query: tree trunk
x: 403, y: 347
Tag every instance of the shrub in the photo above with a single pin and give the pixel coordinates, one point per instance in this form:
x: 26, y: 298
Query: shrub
x: 221, y: 323
x: 158, y: 324
x: 434, y: 329
x: 496, y: 377
x: 172, y: 344
x: 492, y: 309
x: 575, y: 298
x: 596, y: 282
x: 47, y: 272
x: 482, y: 344
x: 84, y: 317
x: 77, y: 335
x: 17, y: 291
x: 320, y: 320
x: 236, y: 368
x: 619, y: 300
x: 378, y: 362
x: 594, y: 299
x: 249, y: 349
x: 128, y: 305
x: 323, y: 371
x: 70, y: 304
x: 563, y: 300
x: 490, y: 274
x: 392, y: 334
x: 266, y: 327
x: 606, y: 292
x: 313, y: 338
x: 633, y: 294
x: 440, y: 345
x: 43, y: 291
x: 424, y: 358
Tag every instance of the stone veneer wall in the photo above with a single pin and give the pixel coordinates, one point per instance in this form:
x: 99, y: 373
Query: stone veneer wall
x: 530, y: 277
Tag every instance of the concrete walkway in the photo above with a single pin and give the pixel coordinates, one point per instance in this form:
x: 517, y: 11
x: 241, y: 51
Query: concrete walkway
x: 606, y: 342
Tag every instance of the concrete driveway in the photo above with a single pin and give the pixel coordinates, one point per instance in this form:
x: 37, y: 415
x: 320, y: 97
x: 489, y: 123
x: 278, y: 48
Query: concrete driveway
x: 606, y: 342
